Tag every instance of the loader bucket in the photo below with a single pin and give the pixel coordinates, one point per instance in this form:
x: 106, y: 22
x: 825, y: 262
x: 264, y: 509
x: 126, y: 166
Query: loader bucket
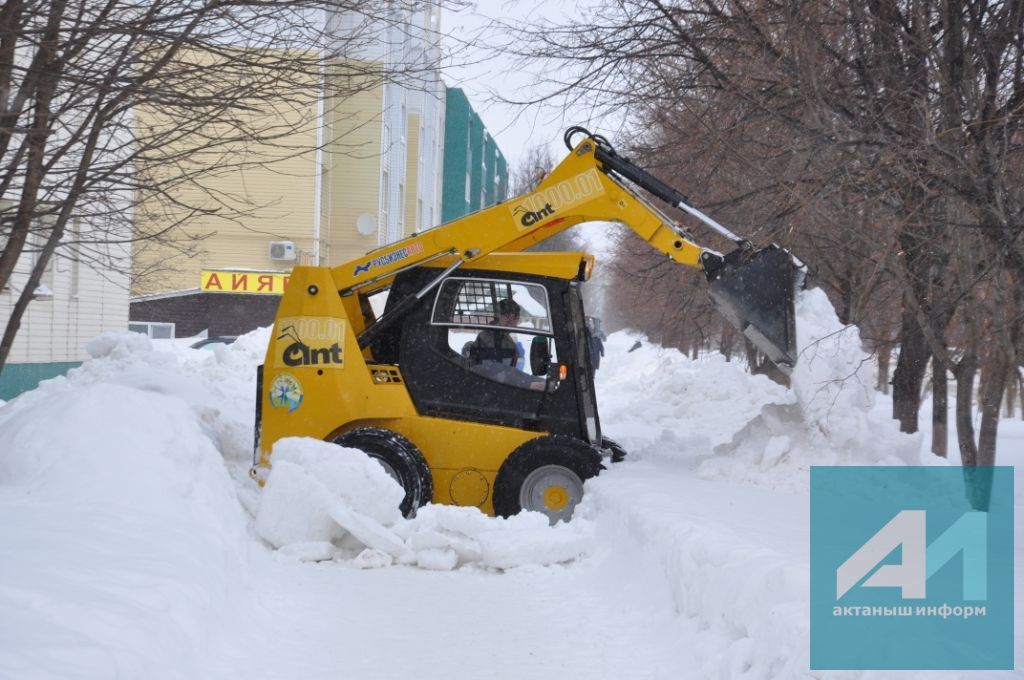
x: 755, y: 292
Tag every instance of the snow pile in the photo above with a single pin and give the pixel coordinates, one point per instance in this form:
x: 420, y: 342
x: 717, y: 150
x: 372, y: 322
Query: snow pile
x: 833, y: 377
x: 733, y: 557
x: 323, y: 502
x: 123, y: 538
x: 127, y: 550
x: 828, y: 419
x: 118, y: 345
x: 652, y: 398
x: 218, y: 385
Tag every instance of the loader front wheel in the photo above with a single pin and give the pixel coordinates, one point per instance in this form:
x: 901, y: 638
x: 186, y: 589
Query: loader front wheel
x: 545, y: 475
x: 400, y: 458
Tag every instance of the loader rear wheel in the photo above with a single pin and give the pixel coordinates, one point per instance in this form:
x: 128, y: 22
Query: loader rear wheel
x: 545, y: 475
x: 400, y: 458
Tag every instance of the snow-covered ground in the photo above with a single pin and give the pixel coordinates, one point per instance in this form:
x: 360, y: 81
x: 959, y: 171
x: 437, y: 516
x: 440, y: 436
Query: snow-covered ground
x: 135, y: 545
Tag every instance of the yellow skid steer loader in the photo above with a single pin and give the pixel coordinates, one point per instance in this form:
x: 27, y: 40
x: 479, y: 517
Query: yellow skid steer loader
x: 473, y: 387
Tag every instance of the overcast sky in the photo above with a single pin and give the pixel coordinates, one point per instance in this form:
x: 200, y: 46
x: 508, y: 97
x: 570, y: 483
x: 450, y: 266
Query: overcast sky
x: 473, y: 65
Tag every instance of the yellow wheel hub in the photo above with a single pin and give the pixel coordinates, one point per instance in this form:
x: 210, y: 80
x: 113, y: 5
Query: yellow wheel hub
x: 556, y: 497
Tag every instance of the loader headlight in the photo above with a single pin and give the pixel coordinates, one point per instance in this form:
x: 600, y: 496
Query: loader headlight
x: 586, y: 268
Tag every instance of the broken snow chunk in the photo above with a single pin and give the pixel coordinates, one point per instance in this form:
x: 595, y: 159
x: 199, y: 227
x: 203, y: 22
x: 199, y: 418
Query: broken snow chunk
x: 311, y: 551
x: 346, y: 473
x: 774, y: 450
x: 324, y: 501
x: 428, y: 539
x: 293, y: 508
x: 437, y: 559
x: 547, y: 545
x: 371, y: 558
x: 118, y: 344
x: 370, y: 533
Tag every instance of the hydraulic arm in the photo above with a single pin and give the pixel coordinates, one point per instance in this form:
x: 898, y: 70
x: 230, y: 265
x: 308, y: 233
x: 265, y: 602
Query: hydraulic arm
x: 754, y: 289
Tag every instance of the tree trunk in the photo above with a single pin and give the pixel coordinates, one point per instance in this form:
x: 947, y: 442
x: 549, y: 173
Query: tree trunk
x: 884, y: 361
x: 909, y: 374
x: 940, y: 406
x: 991, y: 397
x: 727, y: 341
x: 1012, y: 387
x: 37, y: 137
x: 965, y: 371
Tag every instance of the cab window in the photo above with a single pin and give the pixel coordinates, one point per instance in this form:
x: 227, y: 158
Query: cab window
x: 498, y: 329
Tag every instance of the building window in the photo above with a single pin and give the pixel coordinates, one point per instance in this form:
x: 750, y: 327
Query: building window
x: 157, y: 330
x: 467, y: 186
x: 37, y: 241
x: 401, y: 208
x: 385, y: 202
x: 76, y: 264
x: 405, y: 121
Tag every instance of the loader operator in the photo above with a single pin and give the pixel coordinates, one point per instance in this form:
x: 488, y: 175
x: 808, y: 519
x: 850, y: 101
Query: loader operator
x: 495, y: 354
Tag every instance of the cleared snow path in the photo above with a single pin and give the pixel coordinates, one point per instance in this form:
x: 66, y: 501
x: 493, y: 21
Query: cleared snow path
x: 596, y: 619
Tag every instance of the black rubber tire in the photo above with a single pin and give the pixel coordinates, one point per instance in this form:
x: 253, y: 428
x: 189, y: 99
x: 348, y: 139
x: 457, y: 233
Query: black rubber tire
x: 553, y: 450
x: 618, y: 453
x: 402, y: 456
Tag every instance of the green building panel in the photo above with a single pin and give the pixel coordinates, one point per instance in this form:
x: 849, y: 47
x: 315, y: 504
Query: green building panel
x: 456, y: 155
x: 476, y: 162
x: 18, y: 378
x: 475, y: 171
x: 490, y: 169
x: 501, y: 181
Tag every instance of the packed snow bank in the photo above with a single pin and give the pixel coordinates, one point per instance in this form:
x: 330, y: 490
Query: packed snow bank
x: 324, y: 502
x: 123, y: 538
x: 126, y: 552
x: 218, y: 387
x: 704, y: 537
x: 734, y: 558
x: 828, y: 419
x: 749, y: 600
x: 318, y: 503
x: 652, y: 398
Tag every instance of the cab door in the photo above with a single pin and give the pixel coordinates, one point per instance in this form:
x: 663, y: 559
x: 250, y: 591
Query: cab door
x: 446, y: 380
x: 583, y: 372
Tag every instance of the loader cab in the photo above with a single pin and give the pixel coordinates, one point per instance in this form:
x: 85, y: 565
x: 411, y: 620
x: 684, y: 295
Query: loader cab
x: 464, y: 356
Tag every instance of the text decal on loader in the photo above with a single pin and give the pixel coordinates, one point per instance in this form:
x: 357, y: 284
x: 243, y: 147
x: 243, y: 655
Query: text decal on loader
x: 566, y: 194
x: 315, y: 341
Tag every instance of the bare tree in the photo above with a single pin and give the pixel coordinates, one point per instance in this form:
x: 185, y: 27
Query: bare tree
x: 529, y: 172
x: 217, y: 79
x: 882, y: 141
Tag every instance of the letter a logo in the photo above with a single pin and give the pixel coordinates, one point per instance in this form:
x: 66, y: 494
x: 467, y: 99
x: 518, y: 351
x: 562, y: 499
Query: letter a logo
x: 966, y: 536
x: 906, y: 529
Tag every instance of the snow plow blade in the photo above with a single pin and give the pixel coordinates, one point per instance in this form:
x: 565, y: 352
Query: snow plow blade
x: 755, y: 291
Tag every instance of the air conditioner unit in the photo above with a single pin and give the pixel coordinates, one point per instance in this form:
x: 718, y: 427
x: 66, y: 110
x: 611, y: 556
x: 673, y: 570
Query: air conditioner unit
x: 282, y: 251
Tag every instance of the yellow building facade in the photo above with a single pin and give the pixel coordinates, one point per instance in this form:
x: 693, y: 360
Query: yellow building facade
x: 354, y: 165
x: 283, y: 203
